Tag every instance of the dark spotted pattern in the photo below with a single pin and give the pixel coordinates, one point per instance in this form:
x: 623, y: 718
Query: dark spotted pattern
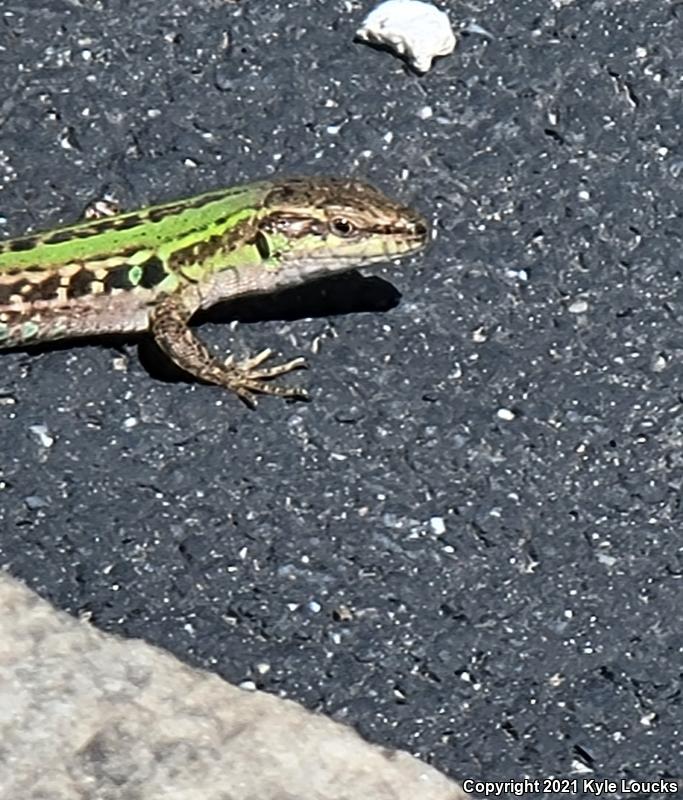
x: 7, y: 290
x: 198, y: 251
x: 118, y: 278
x: 117, y: 223
x: 157, y: 214
x: 195, y: 252
x: 262, y: 245
x: 20, y: 245
x: 94, y: 229
x: 18, y: 270
x: 43, y: 290
x: 30, y: 291
x: 153, y: 273
x: 58, y: 237
x: 79, y: 284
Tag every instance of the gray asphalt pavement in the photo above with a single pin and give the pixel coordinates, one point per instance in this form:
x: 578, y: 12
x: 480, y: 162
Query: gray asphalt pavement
x: 468, y: 546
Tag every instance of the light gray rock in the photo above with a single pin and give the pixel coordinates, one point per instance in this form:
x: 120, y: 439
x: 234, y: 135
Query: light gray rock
x: 89, y: 715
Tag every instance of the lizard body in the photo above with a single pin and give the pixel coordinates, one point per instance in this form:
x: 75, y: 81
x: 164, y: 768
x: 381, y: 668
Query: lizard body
x: 151, y: 270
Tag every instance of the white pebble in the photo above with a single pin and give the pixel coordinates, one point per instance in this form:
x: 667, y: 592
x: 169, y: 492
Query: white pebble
x: 578, y: 307
x: 659, y: 364
x: 42, y: 434
x: 419, y: 31
x: 607, y: 560
x: 437, y: 525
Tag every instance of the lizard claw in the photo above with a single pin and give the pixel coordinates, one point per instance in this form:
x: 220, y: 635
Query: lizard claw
x: 246, y: 377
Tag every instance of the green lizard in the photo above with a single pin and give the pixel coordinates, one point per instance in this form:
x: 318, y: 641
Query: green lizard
x: 151, y: 270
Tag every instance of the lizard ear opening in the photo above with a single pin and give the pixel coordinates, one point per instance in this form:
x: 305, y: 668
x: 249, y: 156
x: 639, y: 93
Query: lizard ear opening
x: 262, y: 245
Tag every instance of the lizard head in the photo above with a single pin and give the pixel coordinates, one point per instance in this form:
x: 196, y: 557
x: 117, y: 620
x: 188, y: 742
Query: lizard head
x: 311, y: 227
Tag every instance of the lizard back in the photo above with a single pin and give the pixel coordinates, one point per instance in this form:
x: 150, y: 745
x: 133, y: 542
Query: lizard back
x: 99, y: 276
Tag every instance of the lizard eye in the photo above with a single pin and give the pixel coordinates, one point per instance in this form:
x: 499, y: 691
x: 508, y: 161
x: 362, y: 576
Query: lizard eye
x: 342, y: 227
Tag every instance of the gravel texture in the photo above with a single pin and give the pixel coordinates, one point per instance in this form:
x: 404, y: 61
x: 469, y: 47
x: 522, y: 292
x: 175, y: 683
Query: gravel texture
x: 468, y: 545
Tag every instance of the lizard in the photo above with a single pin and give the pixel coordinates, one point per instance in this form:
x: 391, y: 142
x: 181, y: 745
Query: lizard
x: 152, y: 269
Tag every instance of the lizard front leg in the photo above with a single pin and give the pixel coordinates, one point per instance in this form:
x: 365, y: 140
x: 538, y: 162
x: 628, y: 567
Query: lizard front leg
x: 168, y: 323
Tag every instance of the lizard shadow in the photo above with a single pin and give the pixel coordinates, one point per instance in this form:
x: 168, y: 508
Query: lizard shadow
x: 349, y: 293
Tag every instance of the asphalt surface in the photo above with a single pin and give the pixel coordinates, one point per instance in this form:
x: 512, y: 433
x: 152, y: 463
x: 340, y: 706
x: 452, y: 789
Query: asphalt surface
x: 468, y: 545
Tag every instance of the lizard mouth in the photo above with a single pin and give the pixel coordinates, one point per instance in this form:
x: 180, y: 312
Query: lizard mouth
x: 412, y: 237
x: 420, y: 229
x: 415, y: 232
